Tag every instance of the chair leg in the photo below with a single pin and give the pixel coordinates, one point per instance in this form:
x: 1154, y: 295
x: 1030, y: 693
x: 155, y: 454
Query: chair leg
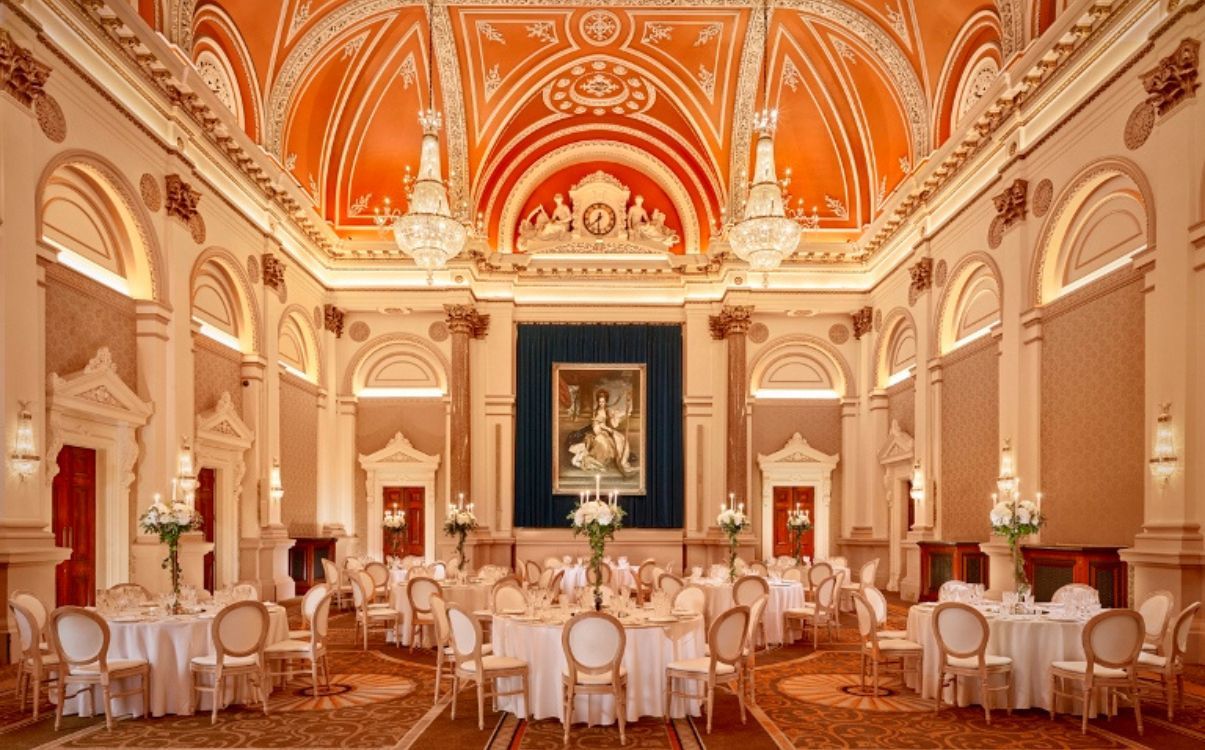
x: 217, y: 692
x: 1088, y: 700
x: 455, y: 693
x: 108, y: 703
x: 740, y: 694
x: 987, y: 698
x: 667, y: 705
x: 37, y: 694
x: 481, y: 701
x: 567, y: 716
x: 941, y: 688
x: 710, y: 704
x: 1167, y: 695
x: 58, y: 709
x: 1137, y: 704
x: 621, y: 699
x: 1054, y: 695
x: 22, y: 684
x: 439, y: 666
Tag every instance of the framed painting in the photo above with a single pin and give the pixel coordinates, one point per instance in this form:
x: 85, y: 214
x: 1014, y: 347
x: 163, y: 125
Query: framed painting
x: 598, y: 428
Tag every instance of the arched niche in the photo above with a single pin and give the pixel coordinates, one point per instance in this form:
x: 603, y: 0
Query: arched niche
x: 800, y: 366
x: 896, y: 347
x: 397, y: 361
x: 297, y: 344
x: 970, y: 305
x: 222, y: 442
x: 87, y: 207
x: 222, y: 297
x: 1102, y: 218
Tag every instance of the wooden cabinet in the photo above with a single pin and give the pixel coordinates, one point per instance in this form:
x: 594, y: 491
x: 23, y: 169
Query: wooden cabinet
x: 1049, y: 567
x: 950, y: 561
x: 305, y: 561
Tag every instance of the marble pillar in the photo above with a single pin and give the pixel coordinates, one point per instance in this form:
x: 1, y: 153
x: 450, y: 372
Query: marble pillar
x: 731, y: 325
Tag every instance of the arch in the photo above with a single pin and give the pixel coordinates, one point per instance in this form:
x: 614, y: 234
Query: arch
x: 1058, y: 248
x: 219, y: 266
x: 971, y: 300
x: 801, y: 361
x: 127, y: 221
x: 892, y: 353
x: 402, y: 349
x: 977, y: 44
x: 297, y: 342
x: 215, y: 33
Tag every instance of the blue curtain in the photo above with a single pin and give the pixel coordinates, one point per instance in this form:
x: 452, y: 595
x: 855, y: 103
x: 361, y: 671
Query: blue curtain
x: 659, y: 347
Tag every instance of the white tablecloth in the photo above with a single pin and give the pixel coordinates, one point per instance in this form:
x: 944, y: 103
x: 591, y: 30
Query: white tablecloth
x: 1031, y: 641
x: 784, y: 595
x: 168, y: 644
x: 575, y: 578
x: 649, y: 649
x: 468, y: 596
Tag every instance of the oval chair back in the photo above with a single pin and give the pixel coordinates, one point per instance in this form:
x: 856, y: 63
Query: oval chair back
x: 353, y: 563
x: 759, y: 568
x: 757, y: 611
x: 878, y: 603
x: 439, y: 614
x: 1182, y: 629
x: 509, y: 599
x: 1156, y: 611
x: 644, y: 574
x: 465, y: 636
x: 419, y: 591
x: 554, y: 584
x: 670, y: 584
x: 868, y: 572
x: 593, y: 643
x: 748, y: 588
x: 28, y: 633
x: 817, y: 573
x: 320, y: 619
x: 378, y: 572
x: 1064, y: 593
x: 331, y: 572
x: 240, y: 629
x: 552, y: 562
x: 950, y: 589
x: 36, y: 609
x: 603, y: 578
x: 691, y: 598
x: 867, y: 624
x: 531, y: 572
x: 135, y: 590
x: 961, y: 632
x: 80, y: 637
x: 1113, y: 639
x: 361, y: 589
x: 826, y: 592
x: 793, y: 574
x: 245, y: 591
x: 310, y: 601
x: 727, y: 636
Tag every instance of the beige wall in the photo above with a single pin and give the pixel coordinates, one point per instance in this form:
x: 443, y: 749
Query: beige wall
x: 901, y: 405
x: 81, y: 317
x: 299, y: 456
x: 1093, y: 457
x: 216, y: 369
x: 969, y: 440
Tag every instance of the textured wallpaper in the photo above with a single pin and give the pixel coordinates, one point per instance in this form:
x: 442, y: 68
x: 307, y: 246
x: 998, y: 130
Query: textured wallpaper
x: 216, y: 369
x: 901, y: 405
x: 377, y: 420
x: 299, y: 456
x: 820, y: 425
x: 970, y: 427
x: 1092, y: 416
x: 81, y: 317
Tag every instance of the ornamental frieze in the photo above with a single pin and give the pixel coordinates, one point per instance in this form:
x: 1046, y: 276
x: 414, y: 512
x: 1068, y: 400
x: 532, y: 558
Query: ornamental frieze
x: 465, y: 319
x: 1170, y: 82
x: 182, y: 199
x: 863, y: 320
x: 333, y: 320
x: 733, y: 320
x: 21, y: 75
x: 922, y: 278
x: 274, y: 272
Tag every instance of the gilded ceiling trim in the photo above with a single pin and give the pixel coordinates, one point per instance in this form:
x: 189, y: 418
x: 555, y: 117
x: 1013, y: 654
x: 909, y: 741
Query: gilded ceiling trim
x: 447, y: 61
x: 747, y: 86
x: 182, y: 15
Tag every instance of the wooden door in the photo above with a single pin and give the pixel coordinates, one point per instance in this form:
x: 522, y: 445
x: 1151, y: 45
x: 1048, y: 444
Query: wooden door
x: 207, y: 509
x: 785, y: 500
x: 74, y: 522
x: 411, y: 501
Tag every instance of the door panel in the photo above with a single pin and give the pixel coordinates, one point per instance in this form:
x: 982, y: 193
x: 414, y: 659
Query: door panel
x: 206, y: 505
x: 411, y: 501
x: 74, y: 522
x: 785, y: 500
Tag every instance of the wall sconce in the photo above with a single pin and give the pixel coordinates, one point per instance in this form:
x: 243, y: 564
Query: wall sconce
x: 186, y: 474
x: 1163, y: 461
x: 24, y: 459
x: 917, y: 492
x: 1007, y: 483
x: 276, y: 490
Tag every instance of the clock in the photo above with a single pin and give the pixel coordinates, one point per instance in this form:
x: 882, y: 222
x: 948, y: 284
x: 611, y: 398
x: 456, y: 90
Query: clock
x: 598, y: 219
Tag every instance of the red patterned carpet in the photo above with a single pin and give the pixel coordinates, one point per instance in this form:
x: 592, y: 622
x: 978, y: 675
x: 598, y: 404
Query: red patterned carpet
x: 381, y: 698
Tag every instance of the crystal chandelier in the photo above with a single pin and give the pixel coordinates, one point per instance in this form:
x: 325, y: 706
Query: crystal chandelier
x: 765, y: 235
x: 427, y: 232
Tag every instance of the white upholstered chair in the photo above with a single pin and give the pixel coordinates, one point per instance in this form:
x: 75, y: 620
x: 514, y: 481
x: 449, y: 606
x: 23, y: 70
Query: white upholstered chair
x: 1169, y: 666
x: 311, y: 649
x: 724, y: 664
x: 368, y: 614
x: 1112, y: 641
x: 594, y: 643
x: 337, y: 581
x: 690, y: 598
x: 1156, y: 610
x: 36, y: 666
x: 962, y: 634
x: 822, y: 611
x: 81, y: 644
x: 238, y: 633
x: 878, y: 602
x: 309, y: 603
x: 876, y: 654
x: 670, y: 584
x: 473, y: 665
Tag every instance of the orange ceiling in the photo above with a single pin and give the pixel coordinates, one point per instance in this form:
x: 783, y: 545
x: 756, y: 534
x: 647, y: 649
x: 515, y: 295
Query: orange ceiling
x: 865, y: 89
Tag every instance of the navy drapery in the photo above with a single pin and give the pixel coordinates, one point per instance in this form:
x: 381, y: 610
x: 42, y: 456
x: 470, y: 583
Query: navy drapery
x: 659, y: 347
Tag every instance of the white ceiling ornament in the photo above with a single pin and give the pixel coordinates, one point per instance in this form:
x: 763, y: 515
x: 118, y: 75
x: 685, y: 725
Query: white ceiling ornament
x: 599, y: 27
x: 599, y: 87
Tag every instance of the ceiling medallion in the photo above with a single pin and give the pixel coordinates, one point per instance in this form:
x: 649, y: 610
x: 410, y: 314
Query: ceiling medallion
x: 599, y: 27
x: 599, y: 87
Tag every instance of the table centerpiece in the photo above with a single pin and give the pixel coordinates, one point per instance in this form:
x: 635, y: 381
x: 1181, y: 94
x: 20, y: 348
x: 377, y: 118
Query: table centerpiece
x: 597, y: 520
x: 394, y: 523
x: 732, y: 521
x: 799, y: 522
x: 169, y: 523
x: 459, y: 523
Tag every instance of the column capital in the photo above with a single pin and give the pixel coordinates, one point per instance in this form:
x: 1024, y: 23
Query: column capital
x: 253, y: 367
x: 863, y: 321
x: 332, y: 319
x: 466, y: 319
x: 733, y: 320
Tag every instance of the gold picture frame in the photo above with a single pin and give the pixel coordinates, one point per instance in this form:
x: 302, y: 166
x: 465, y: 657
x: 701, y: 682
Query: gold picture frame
x: 593, y: 438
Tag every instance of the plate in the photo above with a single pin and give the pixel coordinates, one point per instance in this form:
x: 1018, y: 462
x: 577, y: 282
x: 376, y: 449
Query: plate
x: 662, y: 618
x: 683, y: 612
x: 127, y: 618
x: 513, y: 611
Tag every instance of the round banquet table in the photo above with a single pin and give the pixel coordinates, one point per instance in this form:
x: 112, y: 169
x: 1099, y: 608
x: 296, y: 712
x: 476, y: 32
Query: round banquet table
x: 471, y: 597
x: 784, y: 595
x: 168, y: 644
x: 1032, y: 641
x: 650, y: 647
x: 622, y: 576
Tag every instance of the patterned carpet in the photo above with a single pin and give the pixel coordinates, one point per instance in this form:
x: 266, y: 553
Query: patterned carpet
x: 381, y: 698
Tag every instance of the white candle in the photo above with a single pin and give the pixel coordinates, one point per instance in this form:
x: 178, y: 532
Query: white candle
x: 175, y: 495
x: 158, y: 498
x: 741, y: 508
x: 597, y: 484
x: 731, y: 499
x: 460, y: 501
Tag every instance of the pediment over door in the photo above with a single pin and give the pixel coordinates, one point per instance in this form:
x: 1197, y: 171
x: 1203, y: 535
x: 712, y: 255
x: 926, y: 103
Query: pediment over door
x: 96, y: 392
x: 398, y: 450
x: 797, y: 451
x: 223, y: 426
x: 899, y: 445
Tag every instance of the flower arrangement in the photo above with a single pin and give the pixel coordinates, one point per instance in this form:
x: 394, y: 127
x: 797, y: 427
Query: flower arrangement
x: 1014, y: 519
x: 597, y: 520
x: 459, y: 523
x: 394, y: 522
x: 799, y: 522
x: 168, y: 523
x: 732, y: 521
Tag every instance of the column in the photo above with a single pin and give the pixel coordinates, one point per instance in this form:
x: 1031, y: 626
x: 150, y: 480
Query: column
x: 465, y: 323
x: 703, y: 438
x: 495, y: 440
x: 731, y: 325
x: 344, y: 472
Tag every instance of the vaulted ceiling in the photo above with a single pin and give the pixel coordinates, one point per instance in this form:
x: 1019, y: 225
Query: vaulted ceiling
x: 661, y: 94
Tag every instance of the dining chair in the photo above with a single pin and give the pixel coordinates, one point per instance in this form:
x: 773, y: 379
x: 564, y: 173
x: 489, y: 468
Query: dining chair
x: 473, y: 665
x: 369, y: 614
x: 745, y: 591
x: 756, y: 612
x: 1171, y: 665
x: 604, y: 575
x: 877, y: 654
x: 838, y: 561
x: 878, y: 602
x: 380, y: 577
x: 1156, y: 610
x: 794, y: 574
x: 691, y: 598
x: 866, y: 576
x: 81, y: 642
x: 309, y: 603
x: 1112, y: 641
x: 311, y: 649
x: 815, y: 574
x: 724, y: 665
x: 444, y: 654
x: 418, y: 593
x: 645, y: 580
x: 658, y: 571
x: 554, y: 584
x: 545, y: 578
x: 439, y: 570
x: 552, y: 562
x: 1065, y: 592
x: 245, y: 591
x: 36, y: 666
x: 135, y: 591
x: 594, y: 644
x: 337, y: 581
x: 759, y: 568
x: 532, y: 572
x: 962, y: 634
x: 353, y: 563
x: 238, y: 633
x: 670, y: 584
x: 949, y: 590
x: 508, y: 597
x: 823, y: 611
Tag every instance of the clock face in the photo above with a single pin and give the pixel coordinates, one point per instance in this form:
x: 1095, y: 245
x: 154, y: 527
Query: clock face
x: 598, y: 219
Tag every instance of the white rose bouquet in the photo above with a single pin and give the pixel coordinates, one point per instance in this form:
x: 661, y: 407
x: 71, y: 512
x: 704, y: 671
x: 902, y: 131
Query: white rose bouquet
x: 732, y: 521
x: 799, y: 522
x: 459, y: 522
x: 1013, y: 520
x: 168, y: 522
x: 394, y: 523
x: 597, y: 520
